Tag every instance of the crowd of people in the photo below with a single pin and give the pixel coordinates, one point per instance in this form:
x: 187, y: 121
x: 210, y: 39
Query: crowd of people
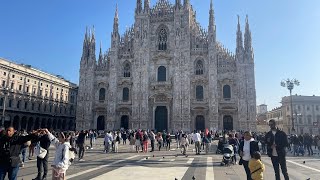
x: 247, y: 147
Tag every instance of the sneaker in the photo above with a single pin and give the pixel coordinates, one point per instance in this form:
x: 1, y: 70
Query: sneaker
x: 21, y: 165
x: 81, y: 159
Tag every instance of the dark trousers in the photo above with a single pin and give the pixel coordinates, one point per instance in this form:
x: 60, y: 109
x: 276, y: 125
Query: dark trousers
x: 152, y: 145
x: 42, y: 163
x: 246, y: 168
x: 310, y: 151
x: 81, y: 150
x: 276, y: 161
x: 12, y: 172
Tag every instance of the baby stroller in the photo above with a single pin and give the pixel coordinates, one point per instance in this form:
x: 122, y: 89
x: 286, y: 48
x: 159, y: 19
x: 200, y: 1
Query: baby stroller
x: 228, y: 153
x: 220, y: 147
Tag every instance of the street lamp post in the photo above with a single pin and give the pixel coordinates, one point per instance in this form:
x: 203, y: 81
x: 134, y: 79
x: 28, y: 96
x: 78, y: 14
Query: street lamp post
x: 289, y: 84
x: 5, y: 92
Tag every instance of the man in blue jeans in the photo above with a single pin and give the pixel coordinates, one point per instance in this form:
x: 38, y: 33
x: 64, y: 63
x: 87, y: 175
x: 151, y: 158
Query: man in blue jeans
x: 10, y: 145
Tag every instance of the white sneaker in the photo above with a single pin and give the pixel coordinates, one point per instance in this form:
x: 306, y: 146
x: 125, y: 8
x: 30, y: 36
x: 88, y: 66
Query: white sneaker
x: 81, y: 160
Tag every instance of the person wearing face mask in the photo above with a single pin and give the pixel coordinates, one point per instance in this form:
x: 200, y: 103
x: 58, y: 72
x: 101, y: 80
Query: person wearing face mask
x: 277, y: 141
x: 247, y: 148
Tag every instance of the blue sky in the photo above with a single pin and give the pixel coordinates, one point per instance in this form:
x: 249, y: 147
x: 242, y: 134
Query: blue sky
x: 286, y: 36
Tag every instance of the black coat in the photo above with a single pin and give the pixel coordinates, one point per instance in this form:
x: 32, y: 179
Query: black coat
x: 281, y: 141
x: 10, y: 149
x: 253, y: 147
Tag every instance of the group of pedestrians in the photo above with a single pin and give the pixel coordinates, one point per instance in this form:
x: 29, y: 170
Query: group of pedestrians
x: 13, y: 143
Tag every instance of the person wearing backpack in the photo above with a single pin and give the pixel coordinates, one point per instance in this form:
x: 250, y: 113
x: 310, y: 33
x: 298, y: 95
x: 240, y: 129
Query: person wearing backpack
x: 62, y: 159
x: 145, y: 141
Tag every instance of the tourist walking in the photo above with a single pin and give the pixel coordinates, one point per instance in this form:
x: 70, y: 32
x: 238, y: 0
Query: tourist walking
x: 145, y: 141
x: 42, y: 163
x: 107, y: 142
x: 246, y: 150
x: 277, y: 142
x: 197, y: 140
x: 81, y: 143
x: 152, y: 137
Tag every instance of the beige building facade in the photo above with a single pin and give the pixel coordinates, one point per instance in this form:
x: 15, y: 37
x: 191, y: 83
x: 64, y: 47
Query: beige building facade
x: 306, y: 114
x: 32, y: 99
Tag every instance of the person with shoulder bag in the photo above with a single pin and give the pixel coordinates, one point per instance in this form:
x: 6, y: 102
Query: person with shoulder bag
x: 10, y: 146
x: 247, y: 148
x: 43, y: 156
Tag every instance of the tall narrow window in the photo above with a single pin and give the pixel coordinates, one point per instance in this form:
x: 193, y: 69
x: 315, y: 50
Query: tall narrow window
x: 126, y: 70
x: 199, y: 93
x: 18, y: 104
x: 162, y: 73
x: 1, y: 101
x: 125, y: 94
x: 226, y: 92
x: 162, y: 38
x: 199, y: 67
x: 102, y: 94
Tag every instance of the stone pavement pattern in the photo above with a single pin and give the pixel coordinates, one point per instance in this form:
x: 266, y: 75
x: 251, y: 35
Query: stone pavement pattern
x: 166, y: 165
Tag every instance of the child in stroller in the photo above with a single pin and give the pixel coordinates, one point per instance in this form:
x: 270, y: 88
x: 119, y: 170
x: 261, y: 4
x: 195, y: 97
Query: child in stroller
x: 228, y: 153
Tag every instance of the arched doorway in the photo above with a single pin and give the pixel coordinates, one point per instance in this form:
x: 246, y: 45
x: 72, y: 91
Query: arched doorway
x: 227, y: 122
x: 54, y: 124
x: 100, y: 123
x: 64, y: 124
x: 49, y: 125
x: 200, y: 123
x: 71, y: 125
x: 16, y: 122
x: 59, y: 124
x: 161, y: 118
x: 44, y: 123
x: 37, y: 124
x: 24, y: 123
x: 30, y: 124
x: 124, y: 122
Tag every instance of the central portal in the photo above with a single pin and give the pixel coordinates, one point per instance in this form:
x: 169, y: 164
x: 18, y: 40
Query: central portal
x: 161, y: 118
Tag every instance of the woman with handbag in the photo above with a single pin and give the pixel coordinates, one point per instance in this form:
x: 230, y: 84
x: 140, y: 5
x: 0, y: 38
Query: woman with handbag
x: 42, y: 156
x: 61, y: 160
x: 246, y: 150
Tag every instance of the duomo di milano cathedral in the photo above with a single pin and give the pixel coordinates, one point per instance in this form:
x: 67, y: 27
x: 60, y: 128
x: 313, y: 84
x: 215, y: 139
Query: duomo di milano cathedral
x: 167, y: 73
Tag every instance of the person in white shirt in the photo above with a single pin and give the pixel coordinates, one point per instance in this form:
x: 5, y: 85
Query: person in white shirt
x: 197, y: 140
x: 246, y: 149
x: 61, y: 161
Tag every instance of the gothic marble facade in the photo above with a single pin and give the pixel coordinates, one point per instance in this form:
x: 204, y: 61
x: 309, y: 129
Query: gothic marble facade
x: 167, y: 72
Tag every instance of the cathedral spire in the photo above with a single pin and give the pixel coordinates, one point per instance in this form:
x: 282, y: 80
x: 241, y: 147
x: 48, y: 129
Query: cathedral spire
x: 116, y: 21
x: 186, y: 3
x: 146, y: 6
x: 247, y: 37
x: 239, y: 47
x: 139, y: 6
x: 178, y: 4
x: 85, y: 50
x: 211, y: 18
x: 100, y: 55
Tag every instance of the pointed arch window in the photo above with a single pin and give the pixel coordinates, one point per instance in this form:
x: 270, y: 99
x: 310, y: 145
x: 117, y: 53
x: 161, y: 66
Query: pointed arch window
x: 199, y: 93
x: 199, y: 67
x: 162, y: 73
x: 102, y: 94
x: 162, y: 39
x: 125, y: 94
x: 126, y: 70
x: 226, y: 92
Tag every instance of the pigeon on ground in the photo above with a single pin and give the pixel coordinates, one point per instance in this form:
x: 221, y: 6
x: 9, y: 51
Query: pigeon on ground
x: 304, y: 162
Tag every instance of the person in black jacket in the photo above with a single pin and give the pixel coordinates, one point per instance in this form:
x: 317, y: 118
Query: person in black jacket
x: 247, y: 148
x: 277, y: 141
x: 10, y: 146
x: 43, y: 163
